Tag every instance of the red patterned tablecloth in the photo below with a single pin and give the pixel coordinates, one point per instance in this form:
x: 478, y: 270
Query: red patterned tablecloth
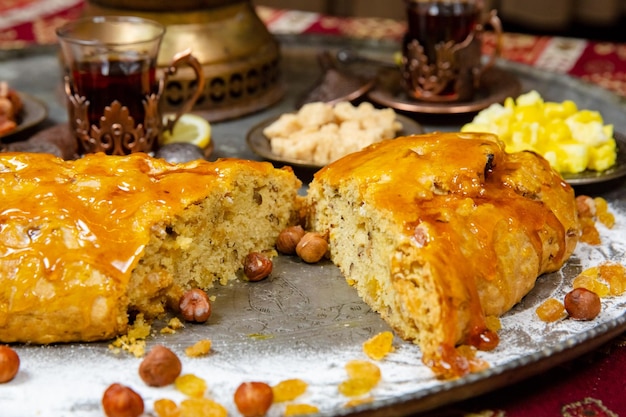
x: 30, y: 22
x: 601, y: 63
x: 590, y: 386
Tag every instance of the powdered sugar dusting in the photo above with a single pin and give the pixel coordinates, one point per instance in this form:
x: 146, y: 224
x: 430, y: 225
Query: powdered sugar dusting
x: 304, y: 322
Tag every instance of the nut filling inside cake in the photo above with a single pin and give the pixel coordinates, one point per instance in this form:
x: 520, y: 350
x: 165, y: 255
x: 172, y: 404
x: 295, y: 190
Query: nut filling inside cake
x: 207, y: 242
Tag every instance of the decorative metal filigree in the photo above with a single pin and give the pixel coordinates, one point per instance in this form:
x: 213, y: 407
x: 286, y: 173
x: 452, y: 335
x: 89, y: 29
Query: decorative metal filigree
x: 425, y: 79
x: 457, y: 71
x: 445, y: 78
x: 116, y: 133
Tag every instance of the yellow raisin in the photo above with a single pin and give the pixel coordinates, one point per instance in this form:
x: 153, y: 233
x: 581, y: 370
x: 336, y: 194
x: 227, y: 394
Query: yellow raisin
x: 602, y: 213
x: 300, y: 409
x: 362, y: 370
x: 379, y: 346
x: 589, y: 279
x: 607, y: 219
x: 289, y: 389
x: 362, y: 377
x: 200, y: 348
x: 551, y: 310
x: 356, y: 386
x: 589, y: 233
x: 191, y: 385
x: 614, y: 274
x: 205, y: 407
x: 166, y: 408
x: 602, y: 206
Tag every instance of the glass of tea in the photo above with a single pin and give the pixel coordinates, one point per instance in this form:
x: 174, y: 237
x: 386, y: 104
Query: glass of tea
x: 442, y: 48
x: 113, y: 84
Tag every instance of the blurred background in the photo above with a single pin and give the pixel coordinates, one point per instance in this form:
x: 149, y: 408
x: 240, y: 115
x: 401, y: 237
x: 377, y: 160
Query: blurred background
x: 590, y: 19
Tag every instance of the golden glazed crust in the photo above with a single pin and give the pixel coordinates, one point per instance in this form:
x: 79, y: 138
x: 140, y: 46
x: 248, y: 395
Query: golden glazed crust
x: 438, y: 231
x: 82, y: 242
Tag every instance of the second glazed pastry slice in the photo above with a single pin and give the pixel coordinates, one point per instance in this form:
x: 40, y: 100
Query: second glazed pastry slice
x: 438, y: 231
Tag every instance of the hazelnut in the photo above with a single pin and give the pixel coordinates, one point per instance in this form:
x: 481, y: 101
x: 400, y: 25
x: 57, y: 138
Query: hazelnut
x: 582, y: 304
x: 253, y: 399
x: 195, y: 306
x: 312, y: 247
x: 9, y: 364
x: 288, y: 239
x: 121, y: 401
x: 257, y: 266
x: 160, y: 367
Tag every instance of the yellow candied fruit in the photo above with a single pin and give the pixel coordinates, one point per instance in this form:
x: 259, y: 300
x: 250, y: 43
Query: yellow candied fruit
x: 589, y: 279
x: 200, y: 348
x: 205, y: 407
x: 615, y: 275
x: 289, y: 389
x: 551, y: 310
x: 363, y: 376
x: 190, y: 385
x: 300, y: 409
x: 379, y: 346
x: 572, y: 140
x: 166, y: 408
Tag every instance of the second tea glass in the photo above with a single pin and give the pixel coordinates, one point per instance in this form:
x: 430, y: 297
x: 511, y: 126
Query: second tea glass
x: 441, y: 57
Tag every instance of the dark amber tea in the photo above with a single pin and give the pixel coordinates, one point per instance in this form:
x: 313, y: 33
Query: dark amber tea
x: 112, y: 86
x: 125, y: 80
x: 442, y: 49
x: 433, y: 22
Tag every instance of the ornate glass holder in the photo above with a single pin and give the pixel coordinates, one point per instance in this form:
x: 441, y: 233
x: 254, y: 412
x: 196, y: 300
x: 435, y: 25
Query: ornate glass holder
x: 111, y: 82
x: 456, y: 72
x: 117, y: 133
x: 453, y: 76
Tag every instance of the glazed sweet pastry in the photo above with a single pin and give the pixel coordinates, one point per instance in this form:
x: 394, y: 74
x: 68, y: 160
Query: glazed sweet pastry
x: 85, y: 243
x: 436, y: 232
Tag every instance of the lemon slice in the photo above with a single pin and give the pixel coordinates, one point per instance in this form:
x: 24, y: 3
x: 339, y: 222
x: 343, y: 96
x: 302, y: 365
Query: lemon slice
x: 190, y: 128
